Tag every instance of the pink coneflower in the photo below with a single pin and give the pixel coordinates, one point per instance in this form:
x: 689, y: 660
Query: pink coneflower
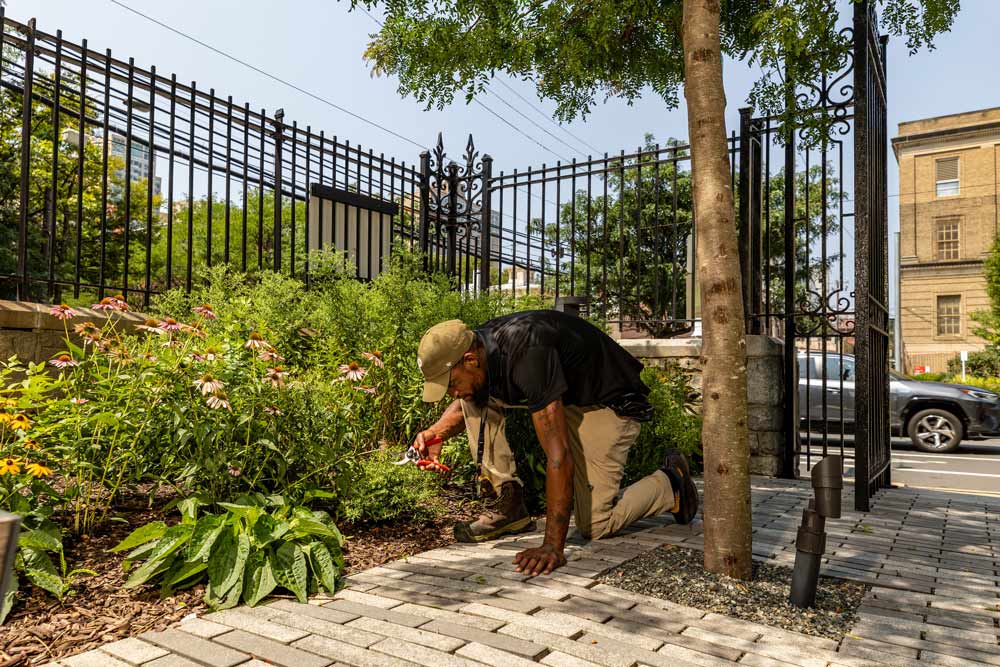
x: 79, y: 401
x: 64, y: 361
x: 234, y: 471
x: 210, y: 353
x: 218, y: 401
x: 148, y: 356
x: 352, y: 371
x: 88, y: 329
x: 193, y: 330
x: 170, y: 324
x: 256, y: 342
x: 276, y: 377
x: 171, y: 344
x: 111, y: 303
x: 151, y: 326
x: 209, y: 384
x: 205, y: 310
x: 270, y: 355
x: 62, y: 312
x: 120, y: 354
x: 367, y: 390
x: 271, y: 410
x: 375, y: 357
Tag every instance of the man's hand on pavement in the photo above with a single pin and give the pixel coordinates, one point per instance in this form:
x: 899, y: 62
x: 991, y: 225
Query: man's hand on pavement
x: 541, y: 560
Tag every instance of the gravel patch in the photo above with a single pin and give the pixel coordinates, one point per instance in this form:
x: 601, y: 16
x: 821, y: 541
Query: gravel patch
x: 678, y: 575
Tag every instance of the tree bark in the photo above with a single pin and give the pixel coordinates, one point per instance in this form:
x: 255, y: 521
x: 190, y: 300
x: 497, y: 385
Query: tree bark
x: 723, y: 361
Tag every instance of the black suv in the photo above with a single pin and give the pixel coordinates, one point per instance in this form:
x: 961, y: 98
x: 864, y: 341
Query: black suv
x: 935, y: 415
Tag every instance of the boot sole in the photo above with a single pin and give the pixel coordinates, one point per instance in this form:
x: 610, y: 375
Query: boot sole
x: 464, y: 534
x: 689, y: 493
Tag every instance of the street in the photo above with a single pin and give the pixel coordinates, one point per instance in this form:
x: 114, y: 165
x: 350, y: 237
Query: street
x: 974, y: 467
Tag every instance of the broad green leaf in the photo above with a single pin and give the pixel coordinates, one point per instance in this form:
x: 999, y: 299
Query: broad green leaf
x: 147, y: 571
x: 290, y: 570
x: 41, y: 572
x: 266, y: 530
x: 173, y: 539
x: 139, y: 553
x: 189, y: 509
x: 258, y: 580
x: 206, y: 531
x: 141, y: 535
x: 39, y: 539
x: 323, y: 567
x: 178, y: 573
x: 229, y: 557
x: 303, y: 527
x: 8, y: 600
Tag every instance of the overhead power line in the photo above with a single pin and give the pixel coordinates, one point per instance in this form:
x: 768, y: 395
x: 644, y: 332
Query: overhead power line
x: 273, y: 77
x: 548, y: 117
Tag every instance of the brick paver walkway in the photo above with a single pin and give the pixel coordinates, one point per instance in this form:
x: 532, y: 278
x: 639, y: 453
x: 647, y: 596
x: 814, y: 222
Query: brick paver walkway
x: 931, y: 559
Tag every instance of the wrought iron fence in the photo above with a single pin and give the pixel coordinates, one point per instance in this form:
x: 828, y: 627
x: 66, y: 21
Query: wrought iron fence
x: 132, y: 182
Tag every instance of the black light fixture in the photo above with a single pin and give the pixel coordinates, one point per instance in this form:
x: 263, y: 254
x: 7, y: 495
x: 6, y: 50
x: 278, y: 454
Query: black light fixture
x: 10, y: 525
x: 827, y: 483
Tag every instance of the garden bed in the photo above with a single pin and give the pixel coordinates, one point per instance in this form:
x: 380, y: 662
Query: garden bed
x: 678, y: 575
x: 41, y: 629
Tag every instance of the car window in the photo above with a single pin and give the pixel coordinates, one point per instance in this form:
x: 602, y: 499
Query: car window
x: 807, y: 368
x: 847, y: 369
x: 838, y: 368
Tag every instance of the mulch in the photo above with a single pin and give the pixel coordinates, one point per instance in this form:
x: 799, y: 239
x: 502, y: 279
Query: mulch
x: 41, y: 628
x: 678, y: 575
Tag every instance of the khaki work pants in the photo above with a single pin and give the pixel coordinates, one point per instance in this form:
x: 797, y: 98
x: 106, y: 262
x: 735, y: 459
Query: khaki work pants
x: 599, y: 440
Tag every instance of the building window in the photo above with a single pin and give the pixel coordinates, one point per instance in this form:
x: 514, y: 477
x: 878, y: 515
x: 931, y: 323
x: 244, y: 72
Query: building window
x: 946, y: 239
x: 946, y: 176
x: 949, y: 315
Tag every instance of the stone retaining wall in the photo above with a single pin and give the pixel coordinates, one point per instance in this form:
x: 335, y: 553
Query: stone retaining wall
x: 765, y: 388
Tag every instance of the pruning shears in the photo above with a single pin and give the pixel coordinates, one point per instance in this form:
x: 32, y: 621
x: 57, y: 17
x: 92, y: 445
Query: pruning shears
x: 412, y: 455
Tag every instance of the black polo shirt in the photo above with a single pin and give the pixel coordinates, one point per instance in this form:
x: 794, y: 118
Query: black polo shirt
x: 538, y: 356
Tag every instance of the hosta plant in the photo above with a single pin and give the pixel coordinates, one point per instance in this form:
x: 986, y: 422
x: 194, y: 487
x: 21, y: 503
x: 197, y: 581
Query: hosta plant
x: 244, y: 551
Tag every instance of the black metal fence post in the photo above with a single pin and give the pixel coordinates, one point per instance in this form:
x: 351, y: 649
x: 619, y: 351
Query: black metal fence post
x: 26, y: 102
x: 279, y: 117
x: 791, y: 426
x: 486, y: 226
x: 743, y: 211
x: 425, y: 203
x: 452, y: 224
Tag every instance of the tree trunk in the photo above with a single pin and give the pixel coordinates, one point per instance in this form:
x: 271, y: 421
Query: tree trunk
x: 723, y: 360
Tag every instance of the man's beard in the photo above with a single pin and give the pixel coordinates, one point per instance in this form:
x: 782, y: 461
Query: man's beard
x: 481, y: 396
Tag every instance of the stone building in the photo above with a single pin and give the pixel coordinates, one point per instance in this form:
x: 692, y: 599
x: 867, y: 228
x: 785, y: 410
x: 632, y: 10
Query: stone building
x: 948, y: 218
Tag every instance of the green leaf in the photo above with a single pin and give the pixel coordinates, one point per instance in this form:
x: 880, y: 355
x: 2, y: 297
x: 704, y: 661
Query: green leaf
x: 146, y: 571
x: 178, y: 573
x: 141, y: 535
x: 303, y: 527
x: 290, y: 571
x: 258, y: 580
x: 41, y: 572
x: 189, y: 509
x: 203, y: 537
x: 323, y: 567
x: 266, y: 530
x: 139, y: 553
x: 8, y: 600
x: 225, y: 565
x: 39, y: 539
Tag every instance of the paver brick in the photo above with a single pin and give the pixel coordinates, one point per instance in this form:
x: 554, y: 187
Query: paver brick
x: 421, y: 655
x: 560, y: 629
x: 367, y: 598
x: 430, y: 639
x: 389, y: 615
x: 349, y: 653
x: 134, y: 651
x: 178, y: 661
x: 582, y: 650
x: 255, y: 622
x: 272, y: 651
x: 606, y: 630
x: 321, y: 612
x: 403, y: 594
x: 560, y: 659
x: 433, y: 613
x: 492, y: 639
x: 523, y: 606
x: 93, y: 659
x: 312, y: 625
x: 204, y: 629
x: 196, y: 648
x: 458, y: 584
x: 489, y: 655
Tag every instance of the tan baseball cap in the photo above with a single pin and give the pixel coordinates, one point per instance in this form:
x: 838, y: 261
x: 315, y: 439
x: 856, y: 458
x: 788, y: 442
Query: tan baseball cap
x: 440, y: 349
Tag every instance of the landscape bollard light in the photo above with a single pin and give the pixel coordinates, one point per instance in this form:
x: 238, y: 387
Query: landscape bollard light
x: 827, y: 483
x: 10, y: 525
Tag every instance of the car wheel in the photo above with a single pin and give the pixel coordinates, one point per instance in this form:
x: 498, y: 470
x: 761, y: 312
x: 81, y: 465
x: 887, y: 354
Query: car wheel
x: 935, y: 430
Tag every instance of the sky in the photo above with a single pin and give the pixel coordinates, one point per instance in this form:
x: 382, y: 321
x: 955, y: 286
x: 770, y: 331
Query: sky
x: 317, y: 45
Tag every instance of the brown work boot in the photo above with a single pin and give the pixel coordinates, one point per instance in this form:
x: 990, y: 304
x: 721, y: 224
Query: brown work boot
x: 508, y: 515
x: 678, y: 471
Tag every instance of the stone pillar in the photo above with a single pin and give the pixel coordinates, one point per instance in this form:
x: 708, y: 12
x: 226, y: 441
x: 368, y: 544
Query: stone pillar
x: 765, y: 388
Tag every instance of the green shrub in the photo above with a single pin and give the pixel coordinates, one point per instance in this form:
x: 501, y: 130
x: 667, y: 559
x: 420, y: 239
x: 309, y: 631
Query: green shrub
x: 246, y: 551
x: 382, y: 491
x: 984, y: 363
x: 988, y: 383
x: 931, y: 377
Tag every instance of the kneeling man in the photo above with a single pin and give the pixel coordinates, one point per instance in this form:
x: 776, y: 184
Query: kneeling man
x: 587, y: 402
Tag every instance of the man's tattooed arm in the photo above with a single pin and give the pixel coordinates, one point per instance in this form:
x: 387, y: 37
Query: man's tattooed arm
x: 553, y: 434
x: 451, y: 423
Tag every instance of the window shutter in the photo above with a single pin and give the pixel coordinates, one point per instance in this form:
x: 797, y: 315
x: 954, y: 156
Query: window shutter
x: 947, y: 169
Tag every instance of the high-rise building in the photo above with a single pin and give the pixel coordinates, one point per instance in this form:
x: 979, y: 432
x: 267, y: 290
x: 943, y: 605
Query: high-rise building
x: 948, y: 220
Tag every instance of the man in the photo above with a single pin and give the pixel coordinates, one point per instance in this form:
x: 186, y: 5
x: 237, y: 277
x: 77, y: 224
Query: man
x: 586, y: 402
